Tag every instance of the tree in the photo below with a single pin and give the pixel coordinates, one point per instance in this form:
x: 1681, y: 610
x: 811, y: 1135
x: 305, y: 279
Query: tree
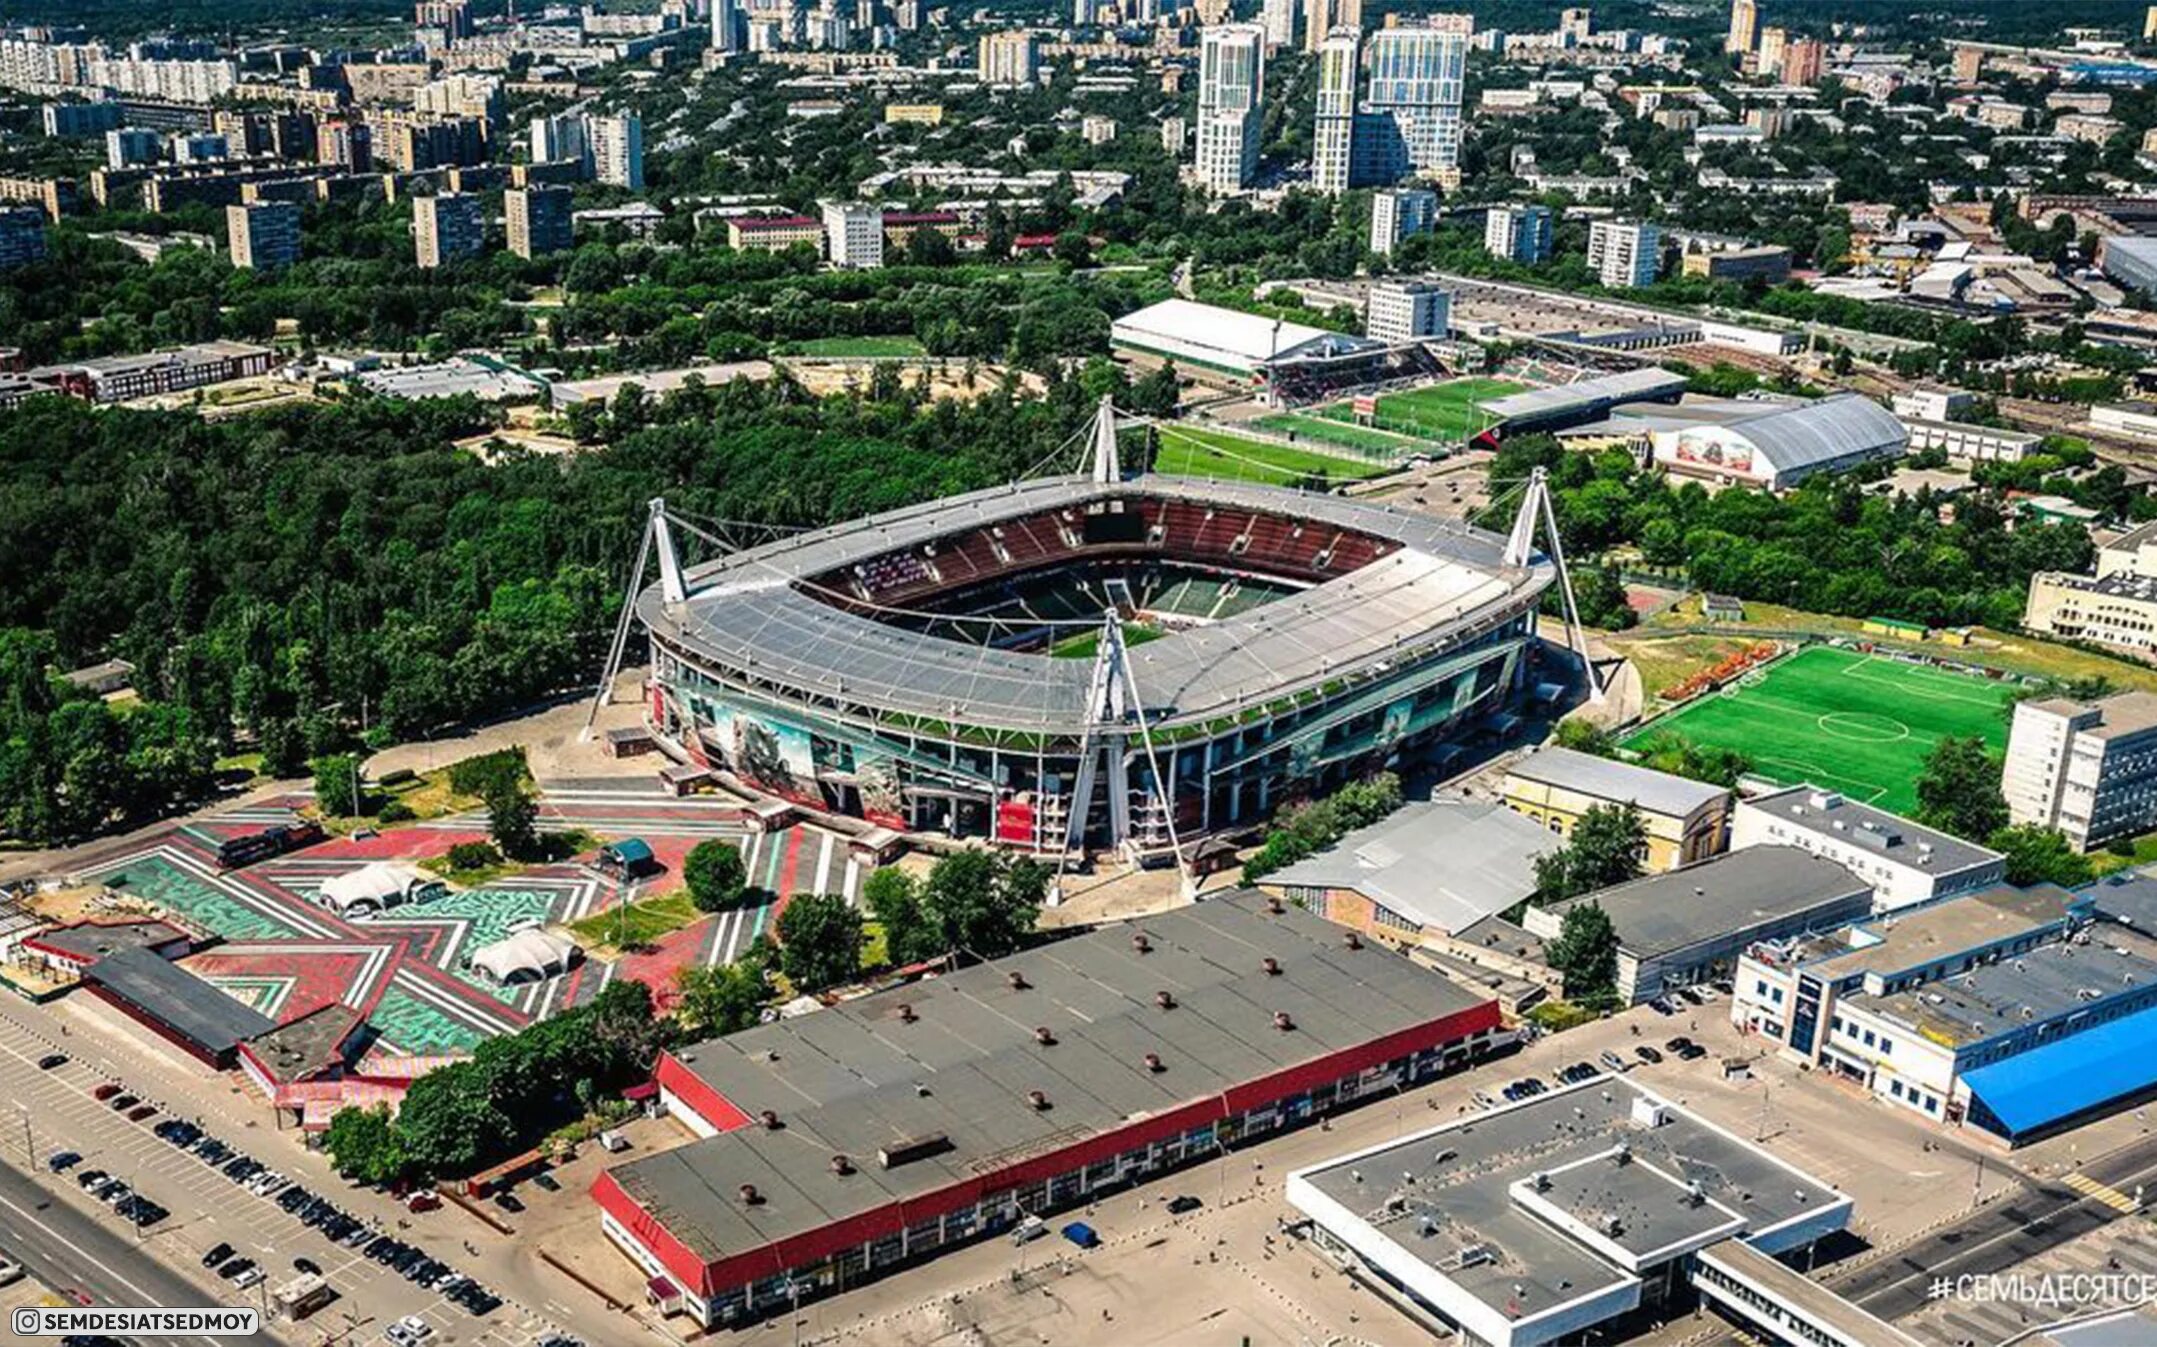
x: 1958, y: 790
x: 337, y: 788
x: 450, y: 1123
x: 979, y: 902
x: 1584, y: 736
x: 513, y: 818
x: 2040, y: 856
x: 1608, y: 846
x: 366, y: 1145
x: 1586, y: 955
x: 722, y: 1000
x: 715, y: 875
x: 819, y: 941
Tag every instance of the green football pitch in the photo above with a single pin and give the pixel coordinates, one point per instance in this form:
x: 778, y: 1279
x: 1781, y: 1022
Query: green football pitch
x: 1444, y: 411
x: 1857, y: 723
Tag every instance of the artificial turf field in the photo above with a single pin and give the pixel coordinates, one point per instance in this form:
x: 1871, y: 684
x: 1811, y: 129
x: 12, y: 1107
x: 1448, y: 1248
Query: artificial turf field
x: 1444, y: 411
x: 1857, y: 723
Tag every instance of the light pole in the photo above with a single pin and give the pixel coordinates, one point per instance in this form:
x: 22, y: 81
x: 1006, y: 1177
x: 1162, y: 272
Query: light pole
x: 29, y: 1145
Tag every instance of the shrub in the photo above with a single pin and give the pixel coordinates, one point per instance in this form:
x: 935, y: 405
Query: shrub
x: 473, y: 856
x: 476, y: 774
x: 395, y: 811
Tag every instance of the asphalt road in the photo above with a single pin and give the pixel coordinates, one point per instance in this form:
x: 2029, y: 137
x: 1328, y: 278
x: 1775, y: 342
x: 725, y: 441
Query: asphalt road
x: 70, y: 1252
x: 2003, y: 1235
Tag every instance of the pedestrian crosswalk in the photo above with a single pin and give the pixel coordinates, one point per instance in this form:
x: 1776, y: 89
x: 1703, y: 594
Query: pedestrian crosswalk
x: 2111, y: 1197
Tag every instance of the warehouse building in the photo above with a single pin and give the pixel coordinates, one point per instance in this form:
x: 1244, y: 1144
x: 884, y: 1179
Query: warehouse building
x: 1581, y: 1215
x: 850, y: 1141
x: 1769, y: 443
x: 1586, y: 400
x: 1690, y: 925
x: 1227, y: 348
x: 1685, y: 820
x: 1433, y: 868
x: 174, y: 1004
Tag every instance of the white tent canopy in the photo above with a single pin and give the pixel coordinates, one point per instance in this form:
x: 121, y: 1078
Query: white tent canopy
x: 527, y: 956
x: 376, y: 885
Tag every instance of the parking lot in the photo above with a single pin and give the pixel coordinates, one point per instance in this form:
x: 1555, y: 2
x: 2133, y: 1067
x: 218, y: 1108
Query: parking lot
x: 57, y: 1109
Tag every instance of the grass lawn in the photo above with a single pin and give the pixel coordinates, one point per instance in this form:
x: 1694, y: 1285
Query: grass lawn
x: 1211, y: 453
x: 1669, y: 660
x: 1360, y: 438
x: 637, y: 924
x: 858, y: 346
x: 1083, y: 645
x: 1861, y: 724
x: 1444, y: 411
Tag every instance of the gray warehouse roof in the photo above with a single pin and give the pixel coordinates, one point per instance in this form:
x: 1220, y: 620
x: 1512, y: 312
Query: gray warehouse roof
x: 1442, y: 863
x: 1723, y: 896
x: 1890, y: 836
x: 1609, y: 779
x: 955, y: 1057
x: 177, y: 998
x: 1586, y: 397
x: 1832, y: 428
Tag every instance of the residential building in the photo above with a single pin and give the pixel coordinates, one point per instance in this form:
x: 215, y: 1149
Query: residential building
x: 1175, y: 136
x: 1095, y: 130
x: 1398, y: 213
x: 617, y: 149
x: 854, y: 234
x: 559, y: 139
x: 1413, y: 104
x: 1009, y: 58
x: 1769, y: 59
x: 447, y: 228
x: 132, y: 146
x: 1321, y: 17
x: 264, y: 235
x: 1231, y: 95
x: 22, y: 237
x: 1278, y: 18
x: 1402, y: 311
x: 1907, y: 864
x: 727, y: 36
x: 1690, y: 924
x: 2088, y: 769
x: 1520, y: 233
x: 914, y: 114
x: 1333, y: 137
x: 1744, y: 27
x: 774, y: 233
x: 452, y: 19
x: 1768, y: 263
x: 538, y: 220
x: 1804, y: 60
x: 1624, y: 254
x: 1685, y: 821
x: 346, y: 144
x: 1575, y: 26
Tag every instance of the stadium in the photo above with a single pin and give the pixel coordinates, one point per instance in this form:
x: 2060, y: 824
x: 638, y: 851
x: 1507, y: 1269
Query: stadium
x: 954, y: 668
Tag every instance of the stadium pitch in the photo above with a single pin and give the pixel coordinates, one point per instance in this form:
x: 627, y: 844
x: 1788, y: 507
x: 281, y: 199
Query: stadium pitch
x: 1444, y: 411
x: 1857, y: 723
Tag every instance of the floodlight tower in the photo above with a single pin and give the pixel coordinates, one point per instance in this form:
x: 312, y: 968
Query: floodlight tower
x: 1115, y: 712
x: 658, y: 536
x: 1535, y: 510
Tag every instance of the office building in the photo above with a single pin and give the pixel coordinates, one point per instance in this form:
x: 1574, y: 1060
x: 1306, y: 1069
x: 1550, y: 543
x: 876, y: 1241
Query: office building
x: 22, y: 237
x: 538, y: 220
x: 1278, y: 18
x: 1404, y: 311
x: 1398, y: 213
x: 1333, y: 140
x: 447, y: 228
x: 2088, y: 769
x: 263, y: 235
x: 1744, y: 27
x: 1624, y: 254
x: 1690, y: 924
x: 617, y: 150
x: 1520, y: 233
x: 853, y: 235
x: 1685, y: 821
x: 1231, y: 93
x: 1321, y: 17
x: 1907, y: 864
x: 1009, y: 58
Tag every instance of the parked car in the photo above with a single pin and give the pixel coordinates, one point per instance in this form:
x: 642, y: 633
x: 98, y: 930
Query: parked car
x: 1082, y: 1234
x: 217, y: 1255
x: 236, y: 1268
x: 121, y: 1103
x: 1182, y: 1203
x: 63, y: 1160
x: 142, y: 1113
x: 1029, y: 1229
x: 90, y: 1178
x: 52, y: 1061
x: 1647, y: 1054
x: 1613, y: 1061
x: 104, y: 1092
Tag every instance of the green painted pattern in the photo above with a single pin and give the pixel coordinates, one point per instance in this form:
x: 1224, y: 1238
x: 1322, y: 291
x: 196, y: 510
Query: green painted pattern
x: 196, y: 899
x: 490, y: 911
x: 1845, y: 720
x: 419, y: 1029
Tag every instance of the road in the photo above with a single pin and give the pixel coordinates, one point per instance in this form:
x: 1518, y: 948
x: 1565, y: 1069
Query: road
x: 2002, y: 1235
x: 71, y: 1252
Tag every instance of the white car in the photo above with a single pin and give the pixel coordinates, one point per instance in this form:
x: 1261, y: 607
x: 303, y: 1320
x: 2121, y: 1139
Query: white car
x: 408, y: 1331
x: 248, y: 1278
x: 10, y: 1271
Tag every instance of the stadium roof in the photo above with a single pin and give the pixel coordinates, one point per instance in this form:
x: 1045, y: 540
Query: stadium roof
x: 178, y: 999
x: 1441, y: 863
x: 1723, y: 895
x: 1587, y: 397
x: 1229, y: 336
x: 1469, y: 1205
x: 954, y: 1059
x: 1609, y: 779
x: 2068, y: 1076
x: 750, y: 610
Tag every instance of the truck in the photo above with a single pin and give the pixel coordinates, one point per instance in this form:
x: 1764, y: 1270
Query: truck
x: 378, y: 887
x: 303, y: 1295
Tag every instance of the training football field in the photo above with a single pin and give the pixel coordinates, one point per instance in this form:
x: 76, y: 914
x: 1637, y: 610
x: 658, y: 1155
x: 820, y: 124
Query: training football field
x: 1444, y: 411
x: 1857, y: 723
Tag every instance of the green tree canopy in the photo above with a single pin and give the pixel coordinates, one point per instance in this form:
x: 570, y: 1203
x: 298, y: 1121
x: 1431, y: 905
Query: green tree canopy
x: 1586, y: 955
x: 1958, y: 790
x: 819, y: 941
x: 2040, y: 856
x: 1609, y: 845
x: 715, y: 875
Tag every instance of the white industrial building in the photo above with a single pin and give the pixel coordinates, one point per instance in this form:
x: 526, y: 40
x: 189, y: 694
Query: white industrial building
x: 1227, y: 347
x: 1907, y: 864
x: 1599, y: 1209
x: 1770, y: 443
